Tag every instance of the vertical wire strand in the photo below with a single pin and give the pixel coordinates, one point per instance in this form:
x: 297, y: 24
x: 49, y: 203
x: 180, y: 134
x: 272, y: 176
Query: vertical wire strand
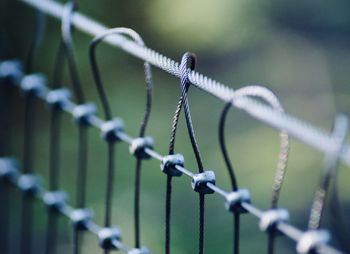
x: 281, y: 167
x: 40, y: 20
x: 168, y: 191
x: 26, y: 221
x: 70, y: 7
x: 54, y: 144
x: 57, y: 78
x: 342, y: 230
x: 6, y: 98
x: 66, y: 49
x: 331, y: 164
x: 55, y: 148
x: 108, y: 114
x: 138, y: 166
x: 187, y: 59
x: 184, y: 84
x: 232, y: 176
x: 137, y: 202
x: 168, y: 214
x: 82, y: 130
x: 28, y: 145
x: 110, y: 181
x: 266, y: 95
x: 82, y: 166
x: 5, y: 217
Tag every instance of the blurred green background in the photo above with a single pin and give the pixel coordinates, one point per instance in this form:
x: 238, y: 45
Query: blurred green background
x: 298, y: 49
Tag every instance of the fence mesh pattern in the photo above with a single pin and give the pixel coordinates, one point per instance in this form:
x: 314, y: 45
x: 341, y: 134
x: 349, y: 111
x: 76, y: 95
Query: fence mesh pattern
x: 257, y: 101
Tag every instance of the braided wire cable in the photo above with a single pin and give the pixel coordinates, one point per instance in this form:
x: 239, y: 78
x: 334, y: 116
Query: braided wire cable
x: 185, y: 83
x: 331, y: 163
x: 304, y: 132
x: 169, y: 177
x: 186, y: 60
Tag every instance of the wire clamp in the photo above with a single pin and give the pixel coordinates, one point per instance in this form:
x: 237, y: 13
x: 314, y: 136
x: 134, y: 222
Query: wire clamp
x: 311, y: 239
x: 235, y: 199
x: 83, y: 112
x: 200, y: 180
x: 34, y: 84
x: 110, y: 129
x: 169, y: 163
x: 138, y: 146
x: 80, y: 218
x: 107, y: 237
x: 10, y: 72
x: 272, y: 217
x: 29, y: 184
x: 142, y: 250
x: 8, y: 169
x: 58, y: 98
x: 55, y: 200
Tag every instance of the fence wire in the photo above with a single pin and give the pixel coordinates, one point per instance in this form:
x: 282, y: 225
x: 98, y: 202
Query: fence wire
x: 237, y: 201
x: 304, y: 132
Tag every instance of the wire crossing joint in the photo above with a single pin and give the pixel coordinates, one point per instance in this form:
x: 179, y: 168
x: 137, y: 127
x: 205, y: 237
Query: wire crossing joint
x: 10, y: 72
x: 235, y: 199
x: 34, y: 84
x: 139, y: 145
x: 169, y: 163
x: 82, y: 113
x: 110, y: 129
x: 80, y: 218
x: 200, y: 180
x: 29, y: 184
x: 311, y: 239
x: 142, y: 250
x: 270, y: 218
x: 8, y: 170
x: 107, y: 237
x: 55, y: 200
x: 58, y: 98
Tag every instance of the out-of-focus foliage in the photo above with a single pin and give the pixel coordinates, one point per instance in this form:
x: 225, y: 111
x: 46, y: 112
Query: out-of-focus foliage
x: 299, y: 49
x: 219, y: 26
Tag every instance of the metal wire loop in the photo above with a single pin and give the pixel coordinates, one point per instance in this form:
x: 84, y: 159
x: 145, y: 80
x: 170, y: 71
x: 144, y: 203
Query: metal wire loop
x: 271, y: 99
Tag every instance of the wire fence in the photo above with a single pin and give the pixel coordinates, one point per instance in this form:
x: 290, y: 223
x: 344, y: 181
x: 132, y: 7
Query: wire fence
x: 237, y: 201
